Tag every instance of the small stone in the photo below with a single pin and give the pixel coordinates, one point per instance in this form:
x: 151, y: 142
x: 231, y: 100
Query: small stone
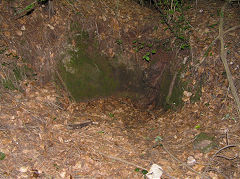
x: 63, y: 174
x: 23, y: 28
x: 23, y: 169
x: 50, y: 26
x: 191, y: 161
x: 19, y: 32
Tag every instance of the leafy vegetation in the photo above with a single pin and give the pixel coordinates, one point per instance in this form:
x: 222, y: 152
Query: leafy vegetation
x: 172, y: 13
x: 144, y: 47
x: 2, y: 155
x: 13, y: 70
x: 29, y: 8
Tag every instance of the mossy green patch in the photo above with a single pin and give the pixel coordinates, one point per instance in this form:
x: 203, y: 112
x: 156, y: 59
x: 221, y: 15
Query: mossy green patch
x: 8, y: 84
x: 89, y: 77
x: 175, y: 100
x: 85, y: 72
x: 204, y: 142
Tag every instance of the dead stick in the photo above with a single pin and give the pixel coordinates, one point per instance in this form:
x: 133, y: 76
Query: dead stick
x: 121, y: 160
x: 213, y: 42
x: 64, y: 85
x: 171, y: 87
x: 228, y: 146
x: 175, y: 158
x: 224, y: 60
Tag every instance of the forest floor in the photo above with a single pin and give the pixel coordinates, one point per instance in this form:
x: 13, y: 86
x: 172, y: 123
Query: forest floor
x: 45, y: 135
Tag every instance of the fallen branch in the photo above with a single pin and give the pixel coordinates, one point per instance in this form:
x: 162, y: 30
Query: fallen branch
x: 121, y: 160
x: 228, y: 146
x: 64, y: 86
x: 182, y: 163
x: 171, y: 87
x: 213, y: 42
x: 224, y: 60
x: 222, y: 156
x: 223, y: 55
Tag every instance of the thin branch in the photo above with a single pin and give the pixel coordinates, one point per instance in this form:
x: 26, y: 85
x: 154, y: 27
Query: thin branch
x: 165, y: 19
x: 228, y: 146
x: 224, y: 60
x: 231, y: 29
x: 121, y: 160
x: 64, y: 85
x: 171, y: 87
x: 213, y: 42
x: 227, y: 141
x: 182, y: 163
x: 227, y: 158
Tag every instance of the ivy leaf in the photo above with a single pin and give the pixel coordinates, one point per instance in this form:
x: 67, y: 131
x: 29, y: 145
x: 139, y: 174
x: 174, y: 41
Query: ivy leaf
x: 150, y: 45
x: 146, y: 57
x: 144, y: 172
x: 154, y: 51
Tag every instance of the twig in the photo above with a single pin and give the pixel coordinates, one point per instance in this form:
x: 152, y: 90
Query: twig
x: 227, y: 158
x: 213, y: 42
x: 231, y: 29
x: 228, y: 146
x: 121, y: 160
x: 224, y: 60
x: 182, y: 163
x: 171, y: 87
x: 215, y: 155
x: 79, y: 126
x: 98, y: 35
x: 227, y: 141
x: 130, y: 163
x: 64, y: 85
x: 164, y: 18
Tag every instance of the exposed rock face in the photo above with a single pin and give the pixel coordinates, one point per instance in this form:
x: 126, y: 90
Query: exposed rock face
x: 152, y: 80
x: 155, y: 79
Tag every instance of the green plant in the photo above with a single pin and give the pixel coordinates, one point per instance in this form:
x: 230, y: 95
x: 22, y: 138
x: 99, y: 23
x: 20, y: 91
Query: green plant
x: 138, y: 46
x: 146, y: 56
x: 119, y: 42
x: 56, y: 166
x: 197, y: 126
x: 172, y: 13
x: 8, y: 84
x: 2, y: 49
x: 31, y: 6
x: 137, y: 169
x: 111, y: 115
x: 2, y: 155
x: 100, y: 132
x: 158, y: 139
x: 144, y: 172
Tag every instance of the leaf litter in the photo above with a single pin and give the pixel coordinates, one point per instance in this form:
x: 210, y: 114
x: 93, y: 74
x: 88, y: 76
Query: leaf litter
x: 43, y: 134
